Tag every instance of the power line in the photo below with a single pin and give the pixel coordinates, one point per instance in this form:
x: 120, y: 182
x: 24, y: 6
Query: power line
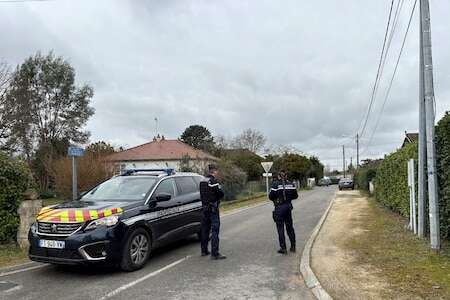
x: 378, y: 72
x: 392, y: 78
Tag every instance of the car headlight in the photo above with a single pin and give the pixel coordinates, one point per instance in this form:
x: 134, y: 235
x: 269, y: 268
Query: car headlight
x: 33, y: 228
x: 107, y: 221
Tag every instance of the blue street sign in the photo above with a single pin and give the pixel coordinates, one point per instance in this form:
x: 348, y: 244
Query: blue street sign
x: 75, y: 151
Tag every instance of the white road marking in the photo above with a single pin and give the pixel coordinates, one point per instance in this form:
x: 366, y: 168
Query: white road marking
x: 133, y: 283
x: 22, y: 270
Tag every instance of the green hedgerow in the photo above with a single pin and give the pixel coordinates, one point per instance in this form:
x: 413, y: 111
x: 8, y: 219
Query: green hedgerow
x: 15, y: 179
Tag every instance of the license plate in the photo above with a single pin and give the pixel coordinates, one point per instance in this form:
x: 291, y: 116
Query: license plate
x: 52, y: 244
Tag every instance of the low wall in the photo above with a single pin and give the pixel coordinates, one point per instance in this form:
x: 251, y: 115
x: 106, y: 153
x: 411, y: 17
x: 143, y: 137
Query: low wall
x: 27, y: 211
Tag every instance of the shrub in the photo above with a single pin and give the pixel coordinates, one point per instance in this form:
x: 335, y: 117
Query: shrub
x: 366, y: 173
x: 92, y: 170
x: 233, y: 179
x: 443, y: 171
x: 15, y: 179
x: 391, y: 181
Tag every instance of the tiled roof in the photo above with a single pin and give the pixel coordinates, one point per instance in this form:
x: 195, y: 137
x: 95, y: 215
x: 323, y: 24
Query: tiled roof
x: 161, y: 150
x: 410, y: 137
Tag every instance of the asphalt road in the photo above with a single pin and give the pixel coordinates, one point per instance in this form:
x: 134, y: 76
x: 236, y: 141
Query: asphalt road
x: 253, y: 269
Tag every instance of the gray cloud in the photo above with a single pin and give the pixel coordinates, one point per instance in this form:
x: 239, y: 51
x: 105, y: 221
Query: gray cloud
x: 301, y: 72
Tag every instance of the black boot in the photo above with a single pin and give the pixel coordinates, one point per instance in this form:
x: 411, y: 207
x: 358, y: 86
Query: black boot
x: 218, y: 256
x: 282, y: 251
x: 206, y: 253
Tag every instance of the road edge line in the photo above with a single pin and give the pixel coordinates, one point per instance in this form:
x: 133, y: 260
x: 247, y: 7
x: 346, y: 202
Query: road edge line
x: 309, y: 277
x: 143, y: 278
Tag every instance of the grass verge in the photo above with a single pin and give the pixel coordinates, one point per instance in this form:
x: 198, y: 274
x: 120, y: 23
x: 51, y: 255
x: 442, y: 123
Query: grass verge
x: 11, y: 254
x: 402, y: 258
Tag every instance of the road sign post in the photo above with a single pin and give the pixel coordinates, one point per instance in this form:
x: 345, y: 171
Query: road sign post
x: 74, y: 152
x: 267, y: 165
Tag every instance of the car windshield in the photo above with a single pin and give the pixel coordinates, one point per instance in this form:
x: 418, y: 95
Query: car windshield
x: 121, y: 188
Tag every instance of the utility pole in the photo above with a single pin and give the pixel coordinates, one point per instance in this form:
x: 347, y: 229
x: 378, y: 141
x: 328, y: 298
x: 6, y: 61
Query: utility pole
x: 422, y: 147
x: 343, y: 158
x: 433, y: 197
x: 357, y: 151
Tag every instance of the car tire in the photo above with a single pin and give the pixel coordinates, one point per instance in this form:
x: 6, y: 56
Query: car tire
x: 136, y: 251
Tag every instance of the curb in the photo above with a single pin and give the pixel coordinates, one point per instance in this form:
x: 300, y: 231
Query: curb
x: 309, y: 277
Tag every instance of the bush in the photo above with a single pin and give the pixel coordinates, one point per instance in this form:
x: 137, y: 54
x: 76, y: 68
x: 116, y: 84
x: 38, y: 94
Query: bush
x: 92, y: 170
x: 391, y: 181
x: 232, y: 178
x: 366, y: 173
x: 443, y: 171
x: 15, y: 179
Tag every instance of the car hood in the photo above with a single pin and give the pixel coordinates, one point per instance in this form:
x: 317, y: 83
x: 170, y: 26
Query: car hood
x: 80, y: 211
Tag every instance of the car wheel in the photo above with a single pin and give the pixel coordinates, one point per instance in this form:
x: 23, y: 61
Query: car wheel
x: 136, y: 250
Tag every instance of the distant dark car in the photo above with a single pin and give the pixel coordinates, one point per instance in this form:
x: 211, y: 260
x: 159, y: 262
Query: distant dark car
x: 346, y: 183
x: 334, y: 180
x: 324, y: 182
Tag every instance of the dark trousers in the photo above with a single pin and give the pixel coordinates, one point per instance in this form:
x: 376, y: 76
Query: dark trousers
x: 282, y: 215
x: 210, y: 223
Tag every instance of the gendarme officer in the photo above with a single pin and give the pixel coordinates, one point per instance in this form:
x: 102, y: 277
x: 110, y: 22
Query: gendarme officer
x: 211, y: 193
x: 282, y: 193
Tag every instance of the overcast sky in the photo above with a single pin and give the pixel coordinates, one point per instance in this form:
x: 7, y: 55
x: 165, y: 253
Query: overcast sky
x: 301, y: 72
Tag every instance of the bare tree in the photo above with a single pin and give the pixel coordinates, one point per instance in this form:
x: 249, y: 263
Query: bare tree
x: 250, y: 139
x: 5, y: 78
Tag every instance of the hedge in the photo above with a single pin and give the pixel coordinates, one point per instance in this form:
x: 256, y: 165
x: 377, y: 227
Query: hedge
x: 366, y: 173
x: 15, y: 179
x: 391, y: 181
x: 443, y: 171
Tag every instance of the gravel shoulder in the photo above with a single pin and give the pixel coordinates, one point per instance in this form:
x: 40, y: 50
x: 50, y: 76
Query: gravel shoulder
x: 335, y: 265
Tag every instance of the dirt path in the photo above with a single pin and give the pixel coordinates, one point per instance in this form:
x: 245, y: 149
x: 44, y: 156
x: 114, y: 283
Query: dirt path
x: 334, y: 264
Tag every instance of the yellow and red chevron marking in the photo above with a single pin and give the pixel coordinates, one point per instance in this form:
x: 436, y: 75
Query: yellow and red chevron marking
x: 47, y: 214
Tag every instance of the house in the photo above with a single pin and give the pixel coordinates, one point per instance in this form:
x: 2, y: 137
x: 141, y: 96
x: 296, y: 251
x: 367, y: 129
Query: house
x: 410, y: 138
x: 161, y: 153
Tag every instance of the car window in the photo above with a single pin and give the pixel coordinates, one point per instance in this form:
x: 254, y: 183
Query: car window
x: 121, y: 188
x: 166, y: 186
x: 186, y: 185
x: 198, y: 179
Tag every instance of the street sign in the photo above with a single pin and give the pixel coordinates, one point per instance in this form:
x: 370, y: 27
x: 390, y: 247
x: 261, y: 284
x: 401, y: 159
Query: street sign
x: 75, y: 151
x: 267, y: 165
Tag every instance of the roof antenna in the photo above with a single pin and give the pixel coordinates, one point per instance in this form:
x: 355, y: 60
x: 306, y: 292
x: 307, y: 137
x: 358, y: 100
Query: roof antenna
x: 156, y: 126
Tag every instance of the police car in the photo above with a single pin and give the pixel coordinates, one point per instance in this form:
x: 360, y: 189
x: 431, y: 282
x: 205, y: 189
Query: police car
x: 119, y: 221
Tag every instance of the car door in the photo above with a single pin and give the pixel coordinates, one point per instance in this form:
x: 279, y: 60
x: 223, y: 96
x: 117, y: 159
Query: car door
x: 189, y: 197
x: 164, y: 225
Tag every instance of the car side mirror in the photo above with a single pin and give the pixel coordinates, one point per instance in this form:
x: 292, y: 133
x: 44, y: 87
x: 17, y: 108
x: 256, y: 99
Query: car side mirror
x: 161, y: 197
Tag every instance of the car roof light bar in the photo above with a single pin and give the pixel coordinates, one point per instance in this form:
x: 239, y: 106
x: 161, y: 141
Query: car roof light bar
x: 167, y: 171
